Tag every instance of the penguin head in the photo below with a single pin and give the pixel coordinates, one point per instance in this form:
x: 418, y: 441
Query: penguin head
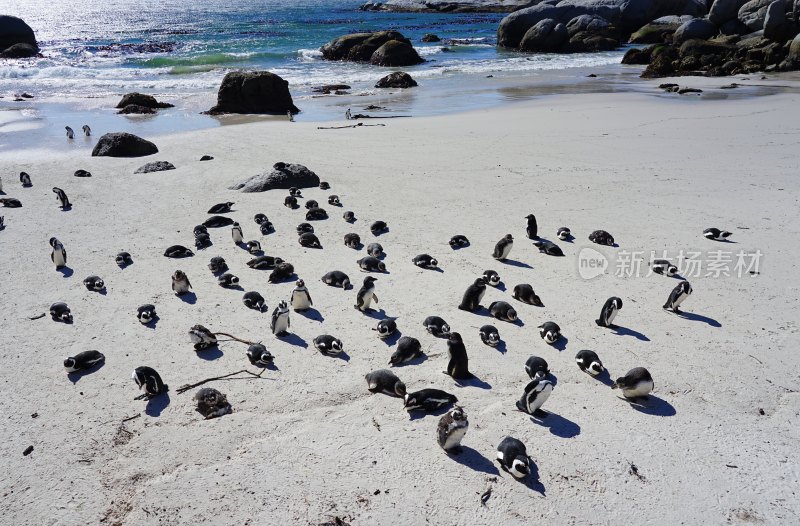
x: 610, y: 240
x: 509, y: 237
x: 336, y: 344
x: 512, y: 314
x: 725, y: 234
x: 233, y: 279
x: 434, y: 262
x: 300, y: 284
x: 458, y: 414
x: 550, y: 337
x: 53, y: 242
x: 618, y: 303
x: 519, y: 467
x: 139, y: 377
x: 453, y: 337
x: 178, y: 276
x: 399, y: 388
x: 530, y: 216
x: 382, y: 266
x: 686, y: 287
x: 410, y: 402
x: 595, y: 368
x: 369, y: 280
x: 480, y: 282
x: 672, y: 270
x: 69, y: 364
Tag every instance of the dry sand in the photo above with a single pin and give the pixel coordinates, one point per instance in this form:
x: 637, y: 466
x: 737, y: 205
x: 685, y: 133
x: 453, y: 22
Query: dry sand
x: 716, y: 444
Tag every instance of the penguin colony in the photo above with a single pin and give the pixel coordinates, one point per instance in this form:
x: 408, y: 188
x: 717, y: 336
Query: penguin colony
x: 453, y: 425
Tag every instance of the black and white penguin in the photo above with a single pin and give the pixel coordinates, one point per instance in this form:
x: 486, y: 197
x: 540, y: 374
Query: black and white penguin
x: 10, y: 202
x: 385, y: 328
x: 302, y: 228
x: 83, y: 360
x: 60, y: 312
x: 663, y: 267
x: 94, y: 283
x: 610, y: 309
x: 492, y: 278
x: 218, y: 221
x: 202, y: 338
x: 316, y: 214
x: 352, y: 240
x: 25, y: 179
x: 280, y: 322
x: 349, y: 216
x: 473, y: 295
x: 532, y: 229
x: 458, y: 366
x: 503, y: 248
x: 236, y: 234
x: 323, y: 185
x: 221, y: 208
x: 536, y: 367
x: 436, y: 326
x: 548, y: 247
x: 458, y: 241
x: 148, y: 379
x: 682, y: 291
x: 259, y: 355
x: 202, y: 241
x: 266, y: 228
x: 716, y: 234
x: 296, y: 192
x: 334, y: 200
x: 636, y: 383
x: 290, y: 202
x: 336, y: 278
x: 371, y: 264
x: 253, y: 300
x: 146, y: 313
x: 375, y: 250
x: 451, y: 429
x: 264, y: 262
x: 328, y: 345
x: 199, y: 230
x: 502, y: 310
x: 386, y: 382
x: 366, y: 295
x: 489, y: 335
x: 58, y: 255
x: 309, y: 240
x: 178, y: 251
x: 513, y: 457
x: 283, y: 271
x: 378, y: 227
x: 217, y: 264
x: 550, y: 332
x: 311, y: 204
x: 425, y: 261
x: 301, y: 298
x: 601, y: 237
x: 564, y: 234
x: 535, y: 395
x: 428, y: 400
x: 2, y: 222
x: 180, y: 283
x: 123, y: 259
x: 525, y: 293
x: 260, y: 219
x: 408, y: 348
x: 228, y: 281
x: 70, y: 132
x: 62, y: 198
x: 589, y: 362
x: 87, y: 131
x: 254, y: 247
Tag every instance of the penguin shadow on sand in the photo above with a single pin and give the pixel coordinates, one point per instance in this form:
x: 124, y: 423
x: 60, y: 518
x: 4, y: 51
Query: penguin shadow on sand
x: 561, y: 343
x: 472, y: 382
x: 625, y: 331
x: 604, y: 378
x: 65, y: 271
x: 515, y: 263
x: 376, y: 314
x: 188, y: 297
x: 557, y: 424
x: 393, y: 338
x: 691, y: 316
x: 484, y: 311
x: 156, y: 405
x: 210, y: 354
x: 66, y: 208
x: 153, y: 322
x: 312, y: 314
x: 416, y: 415
x: 651, y: 405
x: 501, y: 347
x: 293, y: 339
x: 422, y: 358
x: 501, y: 286
x: 532, y: 481
x: 76, y: 376
x: 466, y: 456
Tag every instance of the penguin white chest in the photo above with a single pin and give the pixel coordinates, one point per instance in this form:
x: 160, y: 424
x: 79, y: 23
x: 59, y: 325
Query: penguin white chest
x: 180, y: 287
x: 506, y: 251
x: 58, y: 258
x: 367, y: 298
x: 682, y: 296
x: 281, y: 324
x: 612, y: 313
x: 642, y: 388
x: 300, y: 300
x: 454, y: 438
x: 237, y: 235
x: 535, y: 402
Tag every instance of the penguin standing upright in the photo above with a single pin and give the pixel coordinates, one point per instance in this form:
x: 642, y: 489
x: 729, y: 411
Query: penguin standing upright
x: 535, y: 395
x: 513, y: 457
x: 366, y: 295
x: 87, y: 131
x: 473, y: 295
x: 536, y: 367
x: 458, y: 366
x: 70, y: 133
x: 610, y: 309
x: 301, y: 299
x: 451, y: 429
x: 25, y: 179
x: 180, y: 283
x: 503, y: 248
x: 58, y: 255
x: 681, y: 291
x: 62, y: 197
x: 236, y: 233
x: 532, y: 229
x: 280, y: 319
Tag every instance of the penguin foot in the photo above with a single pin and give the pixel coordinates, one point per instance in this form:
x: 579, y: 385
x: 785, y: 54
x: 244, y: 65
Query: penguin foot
x: 454, y: 450
x: 521, y: 407
x: 599, y: 323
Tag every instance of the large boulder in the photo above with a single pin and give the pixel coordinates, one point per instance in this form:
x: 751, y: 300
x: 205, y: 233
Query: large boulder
x: 14, y: 30
x: 123, y: 145
x: 697, y: 28
x: 776, y: 25
x: 254, y: 92
x: 283, y: 176
x: 547, y: 36
x: 395, y: 53
x: 592, y: 23
x: 723, y: 11
x: 398, y: 79
x: 157, y: 166
x: 793, y: 58
x: 140, y: 99
x: 752, y: 14
x: 19, y: 51
x: 133, y: 109
x: 659, y: 30
x: 362, y: 47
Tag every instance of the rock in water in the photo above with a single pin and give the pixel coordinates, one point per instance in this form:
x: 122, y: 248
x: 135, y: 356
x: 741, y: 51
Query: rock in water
x: 430, y: 37
x: 211, y: 403
x: 398, y: 79
x: 382, y: 48
x: 20, y: 51
x: 123, y: 144
x: 282, y: 176
x: 158, y: 166
x: 395, y: 53
x: 140, y: 99
x: 133, y: 109
x: 14, y: 30
x: 547, y: 35
x: 254, y: 92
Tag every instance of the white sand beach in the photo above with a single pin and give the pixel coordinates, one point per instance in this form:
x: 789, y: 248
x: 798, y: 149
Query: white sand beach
x: 716, y: 442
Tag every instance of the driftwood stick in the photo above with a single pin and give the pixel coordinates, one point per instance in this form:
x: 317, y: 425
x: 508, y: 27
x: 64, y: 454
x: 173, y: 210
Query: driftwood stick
x: 184, y: 388
x: 343, y: 127
x: 38, y: 316
x: 232, y: 337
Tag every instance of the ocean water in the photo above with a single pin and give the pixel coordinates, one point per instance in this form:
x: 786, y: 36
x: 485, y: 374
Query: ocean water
x: 94, y: 53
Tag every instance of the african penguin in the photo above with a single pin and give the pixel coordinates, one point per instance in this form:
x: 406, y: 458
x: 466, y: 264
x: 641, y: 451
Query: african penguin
x: 254, y: 247
x: 536, y: 367
x: 302, y: 228
x: 503, y: 248
x: 58, y: 254
x: 436, y: 326
x: 236, y: 233
x: 489, y: 335
x: 87, y: 131
x: 301, y: 298
x: 385, y: 328
x: 458, y: 366
x: 352, y: 241
x: 180, y: 283
x: 716, y: 234
x: 664, y: 267
x: 311, y: 204
x: 408, y: 348
x: 451, y: 429
x: 349, y: 216
x: 62, y: 197
x: 146, y: 313
x: 202, y: 338
x: 375, y: 250
x: 564, y: 234
x: 178, y: 251
x: 253, y: 300
x: 218, y: 221
x: 148, y: 379
x: 386, y: 382
x: 259, y: 355
x: 61, y: 312
x: 290, y: 202
x: 83, y: 360
x: 217, y: 264
x: 264, y: 262
x: 25, y: 179
x: 589, y: 362
x: 524, y: 293
x: 459, y: 241
x: 425, y: 261
x: 283, y: 271
x: 502, y: 310
x: 601, y: 237
x: 535, y: 395
x: 123, y: 259
x: 94, y: 283
x: 228, y: 281
x: 328, y: 345
x: 492, y: 277
x: 532, y: 229
x: 334, y: 200
x: 280, y: 322
x: 336, y: 278
x: 316, y: 214
x: 378, y: 227
x: 309, y: 240
x: 221, y: 208
x: 428, y: 400
x: 548, y: 247
x: 513, y: 457
x: 610, y: 310
x: 677, y: 296
x: 636, y: 383
x: 550, y: 332
x: 366, y: 295
x: 473, y: 295
x: 70, y: 133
